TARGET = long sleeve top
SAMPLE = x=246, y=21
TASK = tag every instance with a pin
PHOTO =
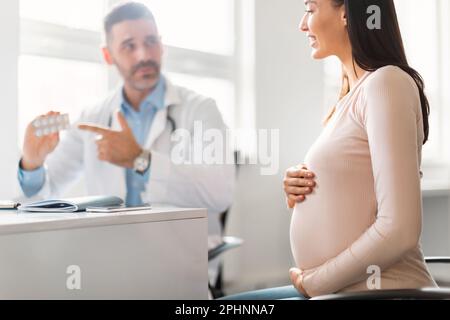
x=365, y=213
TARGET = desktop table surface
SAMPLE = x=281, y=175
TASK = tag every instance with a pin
x=13, y=221
x=129, y=255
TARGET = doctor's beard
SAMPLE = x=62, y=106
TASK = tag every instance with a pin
x=145, y=81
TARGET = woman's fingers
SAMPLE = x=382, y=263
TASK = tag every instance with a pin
x=299, y=182
x=296, y=276
x=297, y=191
x=292, y=200
x=296, y=199
x=290, y=203
x=296, y=172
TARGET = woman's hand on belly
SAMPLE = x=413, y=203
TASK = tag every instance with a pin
x=297, y=280
x=298, y=183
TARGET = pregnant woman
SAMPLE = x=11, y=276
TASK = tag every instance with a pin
x=362, y=216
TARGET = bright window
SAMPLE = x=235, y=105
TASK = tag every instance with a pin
x=59, y=85
x=202, y=25
x=221, y=90
x=418, y=39
x=79, y=14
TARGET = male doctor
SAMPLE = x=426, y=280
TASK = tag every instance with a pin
x=123, y=146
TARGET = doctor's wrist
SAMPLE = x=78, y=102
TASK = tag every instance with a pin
x=135, y=154
x=28, y=165
x=142, y=162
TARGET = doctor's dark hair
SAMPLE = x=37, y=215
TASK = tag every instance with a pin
x=373, y=49
x=126, y=11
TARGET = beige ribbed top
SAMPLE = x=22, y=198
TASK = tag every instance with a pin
x=367, y=207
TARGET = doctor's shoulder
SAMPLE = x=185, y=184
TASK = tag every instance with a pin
x=192, y=101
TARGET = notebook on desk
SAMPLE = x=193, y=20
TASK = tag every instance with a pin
x=70, y=205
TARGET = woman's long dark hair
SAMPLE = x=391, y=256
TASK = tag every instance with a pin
x=373, y=49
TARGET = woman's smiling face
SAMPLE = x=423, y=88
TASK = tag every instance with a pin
x=325, y=26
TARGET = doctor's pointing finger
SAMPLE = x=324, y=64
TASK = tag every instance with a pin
x=116, y=147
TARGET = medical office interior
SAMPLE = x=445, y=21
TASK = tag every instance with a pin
x=249, y=56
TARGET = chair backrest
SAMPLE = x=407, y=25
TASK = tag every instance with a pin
x=439, y=269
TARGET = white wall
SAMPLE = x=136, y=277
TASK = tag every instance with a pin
x=9, y=26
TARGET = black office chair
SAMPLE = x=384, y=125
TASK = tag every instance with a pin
x=403, y=294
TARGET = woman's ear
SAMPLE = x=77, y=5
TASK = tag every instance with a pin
x=343, y=16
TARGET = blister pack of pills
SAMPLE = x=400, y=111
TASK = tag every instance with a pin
x=47, y=125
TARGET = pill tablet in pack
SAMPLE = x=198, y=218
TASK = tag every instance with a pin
x=47, y=125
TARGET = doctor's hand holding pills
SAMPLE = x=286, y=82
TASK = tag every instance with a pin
x=38, y=145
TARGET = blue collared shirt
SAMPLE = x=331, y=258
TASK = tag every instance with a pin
x=140, y=123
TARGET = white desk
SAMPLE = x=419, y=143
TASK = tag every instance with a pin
x=154, y=254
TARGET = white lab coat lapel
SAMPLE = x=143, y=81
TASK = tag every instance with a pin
x=113, y=172
x=160, y=122
x=118, y=174
x=157, y=128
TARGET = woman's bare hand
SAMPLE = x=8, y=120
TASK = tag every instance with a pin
x=296, y=276
x=298, y=183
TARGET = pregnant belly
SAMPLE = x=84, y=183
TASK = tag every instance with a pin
x=329, y=221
